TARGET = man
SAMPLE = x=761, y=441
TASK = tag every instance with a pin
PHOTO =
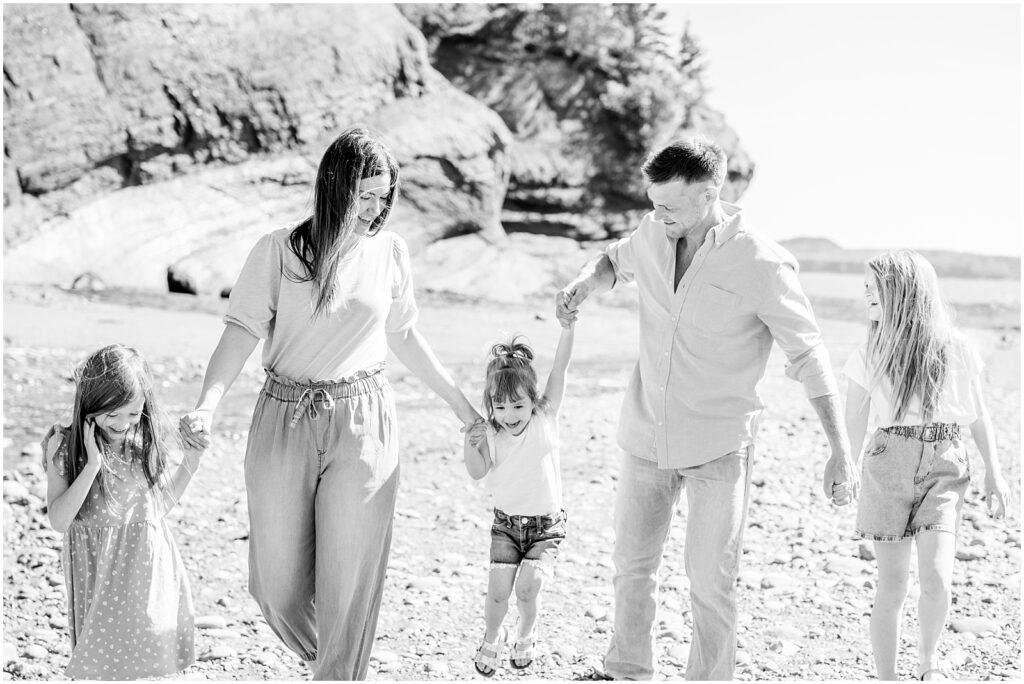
x=713, y=294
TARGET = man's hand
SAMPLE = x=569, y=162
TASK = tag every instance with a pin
x=568, y=300
x=841, y=482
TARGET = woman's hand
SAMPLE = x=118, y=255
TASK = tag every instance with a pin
x=995, y=494
x=195, y=428
x=92, y=448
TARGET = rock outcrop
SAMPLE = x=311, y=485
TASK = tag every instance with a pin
x=587, y=91
x=150, y=145
x=155, y=135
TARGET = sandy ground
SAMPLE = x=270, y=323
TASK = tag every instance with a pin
x=805, y=588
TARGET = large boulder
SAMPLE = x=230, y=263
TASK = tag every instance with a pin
x=142, y=138
x=454, y=160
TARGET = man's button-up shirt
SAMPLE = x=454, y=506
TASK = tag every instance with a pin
x=704, y=346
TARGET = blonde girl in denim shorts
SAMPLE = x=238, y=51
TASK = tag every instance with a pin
x=516, y=452
x=919, y=381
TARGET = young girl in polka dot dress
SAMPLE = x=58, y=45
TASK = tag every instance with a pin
x=110, y=486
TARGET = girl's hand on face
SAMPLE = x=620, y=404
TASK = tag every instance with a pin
x=92, y=447
x=996, y=492
x=195, y=428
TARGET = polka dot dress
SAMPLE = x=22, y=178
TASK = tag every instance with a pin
x=130, y=610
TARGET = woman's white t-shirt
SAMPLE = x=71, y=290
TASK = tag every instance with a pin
x=526, y=478
x=956, y=403
x=373, y=297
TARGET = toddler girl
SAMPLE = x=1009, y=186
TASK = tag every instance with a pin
x=110, y=486
x=920, y=381
x=516, y=449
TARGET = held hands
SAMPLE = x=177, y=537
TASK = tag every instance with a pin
x=841, y=482
x=567, y=303
x=195, y=428
x=476, y=432
x=996, y=492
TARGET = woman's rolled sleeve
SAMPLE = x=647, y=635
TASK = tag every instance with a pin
x=253, y=301
x=403, y=312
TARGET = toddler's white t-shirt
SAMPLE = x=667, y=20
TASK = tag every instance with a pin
x=526, y=478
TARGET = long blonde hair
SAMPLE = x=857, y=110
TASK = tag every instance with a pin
x=911, y=344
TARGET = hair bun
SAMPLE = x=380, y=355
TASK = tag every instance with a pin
x=512, y=352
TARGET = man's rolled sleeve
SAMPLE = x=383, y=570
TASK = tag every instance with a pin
x=623, y=259
x=788, y=315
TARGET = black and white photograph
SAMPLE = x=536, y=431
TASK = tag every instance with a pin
x=543, y=341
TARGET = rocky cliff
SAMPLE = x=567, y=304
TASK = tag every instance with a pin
x=154, y=143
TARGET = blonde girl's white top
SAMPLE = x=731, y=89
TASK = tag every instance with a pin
x=526, y=477
x=373, y=297
x=956, y=403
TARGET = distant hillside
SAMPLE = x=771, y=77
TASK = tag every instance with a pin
x=821, y=255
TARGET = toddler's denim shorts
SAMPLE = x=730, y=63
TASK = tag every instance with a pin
x=912, y=480
x=528, y=539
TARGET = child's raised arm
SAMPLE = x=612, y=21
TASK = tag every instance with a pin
x=555, y=389
x=475, y=452
x=984, y=437
x=857, y=404
x=63, y=499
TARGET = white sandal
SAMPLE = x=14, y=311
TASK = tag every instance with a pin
x=488, y=654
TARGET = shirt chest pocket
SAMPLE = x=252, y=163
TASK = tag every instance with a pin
x=714, y=308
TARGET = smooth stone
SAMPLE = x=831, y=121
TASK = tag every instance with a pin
x=15, y=492
x=958, y=657
x=969, y=553
x=221, y=633
x=10, y=652
x=679, y=653
x=438, y=668
x=210, y=622
x=384, y=657
x=36, y=652
x=777, y=580
x=742, y=658
x=598, y=613
x=844, y=565
x=974, y=625
x=866, y=551
x=59, y=622
x=787, y=631
x=216, y=653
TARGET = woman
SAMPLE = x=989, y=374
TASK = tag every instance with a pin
x=321, y=465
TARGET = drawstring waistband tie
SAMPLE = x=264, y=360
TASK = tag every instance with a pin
x=307, y=403
x=312, y=397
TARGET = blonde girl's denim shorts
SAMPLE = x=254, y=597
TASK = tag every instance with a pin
x=912, y=480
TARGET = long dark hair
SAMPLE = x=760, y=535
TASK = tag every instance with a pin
x=110, y=378
x=317, y=241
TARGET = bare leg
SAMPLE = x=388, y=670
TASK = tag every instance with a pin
x=886, y=614
x=499, y=587
x=528, y=586
x=935, y=555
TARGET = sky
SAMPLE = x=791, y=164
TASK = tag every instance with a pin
x=873, y=125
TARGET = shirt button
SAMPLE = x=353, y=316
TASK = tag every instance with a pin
x=659, y=422
x=666, y=353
